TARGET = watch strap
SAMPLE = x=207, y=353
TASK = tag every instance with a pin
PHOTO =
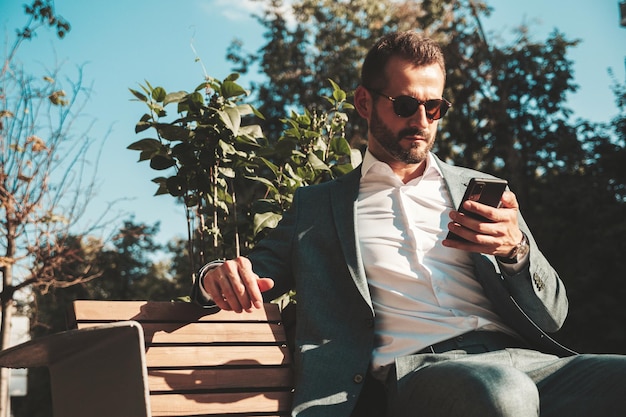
x=518, y=252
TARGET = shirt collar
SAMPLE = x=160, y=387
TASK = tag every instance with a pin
x=370, y=161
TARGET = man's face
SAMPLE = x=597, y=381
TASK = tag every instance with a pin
x=398, y=140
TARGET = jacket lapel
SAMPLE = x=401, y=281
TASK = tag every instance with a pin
x=344, y=195
x=456, y=180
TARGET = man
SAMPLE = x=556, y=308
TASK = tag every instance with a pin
x=449, y=327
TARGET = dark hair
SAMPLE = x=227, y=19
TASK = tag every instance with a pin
x=409, y=45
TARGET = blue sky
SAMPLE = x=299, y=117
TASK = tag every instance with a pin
x=123, y=43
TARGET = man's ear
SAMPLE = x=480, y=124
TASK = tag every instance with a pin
x=363, y=102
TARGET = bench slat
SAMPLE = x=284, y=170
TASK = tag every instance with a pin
x=209, y=332
x=216, y=355
x=89, y=310
x=218, y=378
x=219, y=404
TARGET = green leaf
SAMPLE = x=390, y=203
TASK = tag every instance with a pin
x=227, y=172
x=265, y=220
x=191, y=200
x=176, y=186
x=246, y=140
x=317, y=163
x=355, y=157
x=227, y=148
x=271, y=166
x=257, y=113
x=141, y=126
x=245, y=109
x=231, y=118
x=264, y=205
x=253, y=131
x=159, y=94
x=162, y=190
x=304, y=120
x=232, y=77
x=172, y=132
x=289, y=170
x=146, y=155
x=342, y=169
x=269, y=184
x=294, y=132
x=340, y=146
x=162, y=186
x=148, y=147
x=146, y=144
x=311, y=134
x=232, y=89
x=204, y=85
x=339, y=95
x=197, y=98
x=160, y=162
x=174, y=97
x=139, y=95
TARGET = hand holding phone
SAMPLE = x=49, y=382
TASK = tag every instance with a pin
x=483, y=190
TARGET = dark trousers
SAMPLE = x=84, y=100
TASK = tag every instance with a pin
x=481, y=376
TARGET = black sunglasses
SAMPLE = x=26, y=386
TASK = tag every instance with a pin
x=406, y=106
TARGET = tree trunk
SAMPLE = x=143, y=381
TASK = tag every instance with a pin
x=6, y=298
x=5, y=335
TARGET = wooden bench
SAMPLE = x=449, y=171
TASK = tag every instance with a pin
x=196, y=361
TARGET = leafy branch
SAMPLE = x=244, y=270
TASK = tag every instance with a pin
x=207, y=146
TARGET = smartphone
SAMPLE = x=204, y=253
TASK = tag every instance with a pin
x=484, y=190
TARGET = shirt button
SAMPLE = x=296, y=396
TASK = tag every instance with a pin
x=358, y=378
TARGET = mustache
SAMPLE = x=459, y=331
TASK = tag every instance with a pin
x=412, y=132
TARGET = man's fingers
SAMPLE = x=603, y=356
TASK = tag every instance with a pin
x=265, y=284
x=216, y=283
x=509, y=200
x=234, y=286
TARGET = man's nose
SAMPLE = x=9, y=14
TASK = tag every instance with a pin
x=419, y=119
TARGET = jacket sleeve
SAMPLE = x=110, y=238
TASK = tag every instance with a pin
x=537, y=288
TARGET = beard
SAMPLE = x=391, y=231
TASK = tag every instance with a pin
x=391, y=141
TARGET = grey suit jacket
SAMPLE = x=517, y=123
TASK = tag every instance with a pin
x=314, y=250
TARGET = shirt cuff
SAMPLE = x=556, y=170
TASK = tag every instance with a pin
x=515, y=268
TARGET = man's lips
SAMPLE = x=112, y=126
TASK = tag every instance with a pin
x=414, y=138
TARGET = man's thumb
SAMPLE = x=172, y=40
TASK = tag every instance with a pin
x=265, y=284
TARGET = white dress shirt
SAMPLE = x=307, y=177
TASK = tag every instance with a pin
x=422, y=292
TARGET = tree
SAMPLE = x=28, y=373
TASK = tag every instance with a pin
x=586, y=238
x=503, y=96
x=44, y=177
x=128, y=272
x=328, y=41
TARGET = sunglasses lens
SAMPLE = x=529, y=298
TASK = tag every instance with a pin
x=405, y=106
x=435, y=109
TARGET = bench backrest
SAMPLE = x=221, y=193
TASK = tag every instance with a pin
x=205, y=361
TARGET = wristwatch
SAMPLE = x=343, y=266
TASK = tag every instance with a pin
x=518, y=252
